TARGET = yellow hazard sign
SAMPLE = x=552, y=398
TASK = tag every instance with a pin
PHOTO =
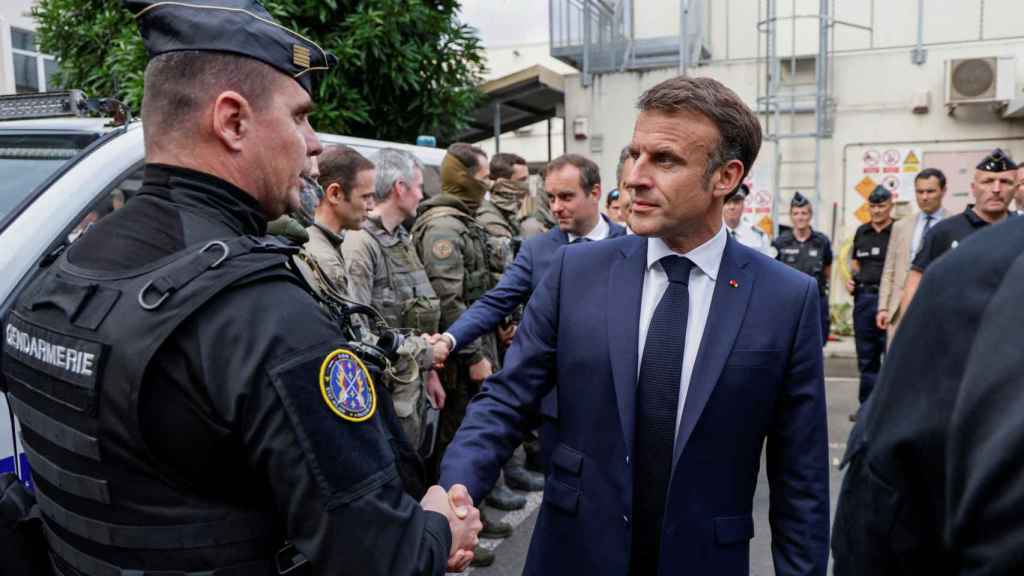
x=865, y=187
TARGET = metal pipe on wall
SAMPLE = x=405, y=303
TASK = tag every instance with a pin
x=919, y=55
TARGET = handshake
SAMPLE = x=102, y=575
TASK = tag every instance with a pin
x=463, y=519
x=441, y=346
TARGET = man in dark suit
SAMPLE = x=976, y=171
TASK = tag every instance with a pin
x=572, y=184
x=674, y=357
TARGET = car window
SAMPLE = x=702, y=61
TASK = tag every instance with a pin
x=28, y=160
x=113, y=198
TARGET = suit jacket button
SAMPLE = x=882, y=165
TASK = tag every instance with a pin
x=625, y=519
x=627, y=460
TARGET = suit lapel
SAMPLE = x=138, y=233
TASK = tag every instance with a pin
x=733, y=288
x=625, y=287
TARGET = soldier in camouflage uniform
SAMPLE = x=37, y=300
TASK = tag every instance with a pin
x=346, y=178
x=535, y=217
x=453, y=247
x=499, y=214
x=385, y=271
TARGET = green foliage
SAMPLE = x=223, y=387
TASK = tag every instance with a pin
x=842, y=319
x=406, y=67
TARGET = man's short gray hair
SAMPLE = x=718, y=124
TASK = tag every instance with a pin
x=393, y=166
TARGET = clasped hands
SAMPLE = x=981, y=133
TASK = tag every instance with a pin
x=463, y=519
x=441, y=347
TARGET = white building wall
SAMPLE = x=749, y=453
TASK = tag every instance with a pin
x=16, y=13
x=873, y=83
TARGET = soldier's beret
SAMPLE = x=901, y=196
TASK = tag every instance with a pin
x=879, y=195
x=241, y=27
x=997, y=161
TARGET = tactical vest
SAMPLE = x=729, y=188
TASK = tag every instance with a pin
x=477, y=279
x=807, y=257
x=500, y=232
x=77, y=347
x=409, y=300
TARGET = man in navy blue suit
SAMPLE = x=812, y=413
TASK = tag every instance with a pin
x=573, y=187
x=675, y=355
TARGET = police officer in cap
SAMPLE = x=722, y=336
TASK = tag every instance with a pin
x=870, y=244
x=993, y=187
x=809, y=251
x=732, y=216
x=186, y=406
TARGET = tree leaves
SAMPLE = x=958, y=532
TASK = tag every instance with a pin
x=406, y=67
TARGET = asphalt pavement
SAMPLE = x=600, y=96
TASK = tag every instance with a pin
x=841, y=395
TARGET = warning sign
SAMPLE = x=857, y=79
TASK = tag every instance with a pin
x=894, y=168
x=911, y=164
x=758, y=209
x=865, y=187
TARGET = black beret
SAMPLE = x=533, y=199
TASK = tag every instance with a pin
x=997, y=161
x=799, y=201
x=740, y=192
x=241, y=27
x=879, y=195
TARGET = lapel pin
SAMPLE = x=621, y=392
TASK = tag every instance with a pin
x=734, y=284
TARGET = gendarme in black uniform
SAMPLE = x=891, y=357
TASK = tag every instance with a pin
x=186, y=405
x=945, y=236
x=869, y=249
x=811, y=256
x=949, y=233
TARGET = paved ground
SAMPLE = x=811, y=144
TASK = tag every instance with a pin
x=841, y=390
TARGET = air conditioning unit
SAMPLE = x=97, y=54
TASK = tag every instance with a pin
x=980, y=80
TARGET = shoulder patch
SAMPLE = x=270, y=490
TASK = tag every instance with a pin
x=347, y=386
x=442, y=248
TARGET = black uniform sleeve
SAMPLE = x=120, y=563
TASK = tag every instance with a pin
x=856, y=240
x=827, y=251
x=333, y=481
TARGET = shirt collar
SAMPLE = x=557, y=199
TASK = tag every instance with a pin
x=334, y=238
x=707, y=257
x=599, y=232
x=937, y=215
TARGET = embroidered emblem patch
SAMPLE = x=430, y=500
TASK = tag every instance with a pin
x=347, y=386
x=442, y=248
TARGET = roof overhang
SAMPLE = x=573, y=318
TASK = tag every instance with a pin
x=525, y=98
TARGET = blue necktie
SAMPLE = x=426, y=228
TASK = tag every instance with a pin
x=657, y=400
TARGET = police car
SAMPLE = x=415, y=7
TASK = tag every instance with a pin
x=61, y=172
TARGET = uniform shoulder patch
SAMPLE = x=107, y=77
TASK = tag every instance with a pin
x=347, y=386
x=442, y=248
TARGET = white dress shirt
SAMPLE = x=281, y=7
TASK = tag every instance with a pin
x=916, y=240
x=599, y=232
x=707, y=258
